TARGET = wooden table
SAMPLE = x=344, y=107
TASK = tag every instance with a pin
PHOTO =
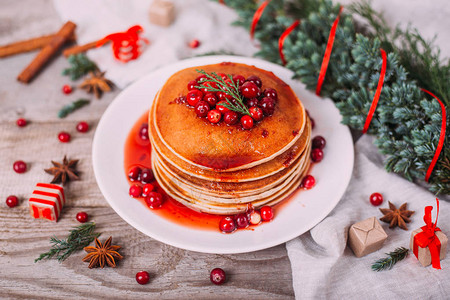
x=175, y=273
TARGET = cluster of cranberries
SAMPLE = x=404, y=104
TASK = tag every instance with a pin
x=144, y=187
x=243, y=220
x=210, y=105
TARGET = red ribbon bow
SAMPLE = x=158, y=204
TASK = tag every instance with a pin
x=428, y=238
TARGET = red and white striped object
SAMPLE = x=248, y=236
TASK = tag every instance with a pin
x=47, y=201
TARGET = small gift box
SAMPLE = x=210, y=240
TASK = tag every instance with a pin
x=162, y=12
x=366, y=237
x=47, y=201
x=429, y=243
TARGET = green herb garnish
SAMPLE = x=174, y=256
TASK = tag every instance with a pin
x=388, y=262
x=80, y=65
x=70, y=108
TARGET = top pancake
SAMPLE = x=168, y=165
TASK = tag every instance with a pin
x=220, y=147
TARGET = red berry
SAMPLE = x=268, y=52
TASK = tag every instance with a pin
x=20, y=166
x=67, y=89
x=217, y=276
x=256, y=113
x=135, y=191
x=252, y=102
x=214, y=116
x=318, y=142
x=242, y=220
x=376, y=199
x=193, y=97
x=239, y=79
x=142, y=277
x=154, y=200
x=64, y=137
x=82, y=127
x=143, y=132
x=230, y=117
x=313, y=124
x=255, y=218
x=134, y=172
x=221, y=96
x=191, y=85
x=21, y=122
x=250, y=90
x=82, y=217
x=202, y=108
x=247, y=122
x=210, y=98
x=146, y=189
x=227, y=225
x=201, y=78
x=308, y=182
x=223, y=76
x=270, y=93
x=255, y=79
x=222, y=108
x=12, y=201
x=147, y=176
x=194, y=44
x=267, y=105
x=266, y=213
x=317, y=155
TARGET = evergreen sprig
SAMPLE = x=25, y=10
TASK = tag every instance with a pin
x=79, y=237
x=80, y=65
x=394, y=257
x=70, y=108
x=230, y=88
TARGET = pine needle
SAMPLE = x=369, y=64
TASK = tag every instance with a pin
x=70, y=108
x=388, y=262
x=80, y=65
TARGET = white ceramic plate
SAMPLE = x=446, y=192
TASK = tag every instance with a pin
x=304, y=211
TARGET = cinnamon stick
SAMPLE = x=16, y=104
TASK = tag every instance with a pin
x=47, y=52
x=80, y=49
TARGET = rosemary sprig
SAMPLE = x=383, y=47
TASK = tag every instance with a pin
x=231, y=89
x=78, y=238
x=388, y=262
x=70, y=108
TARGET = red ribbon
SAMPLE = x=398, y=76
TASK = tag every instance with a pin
x=327, y=55
x=256, y=17
x=441, y=137
x=283, y=37
x=428, y=238
x=377, y=92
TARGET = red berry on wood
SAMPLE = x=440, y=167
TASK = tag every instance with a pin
x=82, y=217
x=376, y=199
x=154, y=200
x=308, y=182
x=217, y=276
x=12, y=201
x=134, y=172
x=250, y=90
x=202, y=108
x=82, y=127
x=266, y=213
x=247, y=122
x=256, y=113
x=317, y=155
x=143, y=132
x=230, y=117
x=146, y=189
x=147, y=176
x=255, y=79
x=67, y=89
x=271, y=93
x=242, y=220
x=135, y=191
x=21, y=122
x=20, y=166
x=214, y=116
x=267, y=105
x=192, y=85
x=194, y=44
x=64, y=137
x=142, y=277
x=239, y=79
x=318, y=142
x=193, y=97
x=227, y=225
x=210, y=98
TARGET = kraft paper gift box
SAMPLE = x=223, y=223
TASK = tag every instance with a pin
x=162, y=12
x=366, y=237
x=424, y=254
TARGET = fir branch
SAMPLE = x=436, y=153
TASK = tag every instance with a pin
x=230, y=88
x=70, y=108
x=78, y=238
x=388, y=262
x=80, y=65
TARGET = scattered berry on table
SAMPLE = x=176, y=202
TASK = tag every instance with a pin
x=308, y=182
x=64, y=137
x=194, y=44
x=67, y=89
x=217, y=276
x=142, y=277
x=82, y=127
x=376, y=199
x=21, y=122
x=20, y=166
x=12, y=201
x=82, y=217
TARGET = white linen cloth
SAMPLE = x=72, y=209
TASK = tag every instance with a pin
x=322, y=265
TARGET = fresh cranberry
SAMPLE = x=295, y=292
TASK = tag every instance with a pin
x=256, y=113
x=142, y=277
x=250, y=90
x=67, y=89
x=134, y=172
x=313, y=124
x=308, y=182
x=317, y=155
x=143, y=132
x=147, y=176
x=217, y=276
x=193, y=97
x=252, y=102
x=239, y=79
x=376, y=199
x=20, y=166
x=206, y=85
x=82, y=217
x=318, y=142
x=214, y=116
x=135, y=191
x=222, y=108
x=202, y=108
x=82, y=127
x=191, y=85
x=12, y=201
x=227, y=225
x=223, y=76
x=271, y=93
x=266, y=213
x=256, y=80
x=154, y=200
x=146, y=189
x=194, y=44
x=201, y=78
x=21, y=122
x=221, y=96
x=255, y=218
x=247, y=122
x=210, y=98
x=242, y=220
x=267, y=105
x=64, y=137
x=230, y=117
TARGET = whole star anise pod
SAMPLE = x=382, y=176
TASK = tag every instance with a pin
x=396, y=216
x=64, y=171
x=100, y=255
x=97, y=84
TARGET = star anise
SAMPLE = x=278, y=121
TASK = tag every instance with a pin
x=100, y=255
x=64, y=171
x=97, y=84
x=396, y=216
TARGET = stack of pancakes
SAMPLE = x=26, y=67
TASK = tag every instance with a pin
x=221, y=169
